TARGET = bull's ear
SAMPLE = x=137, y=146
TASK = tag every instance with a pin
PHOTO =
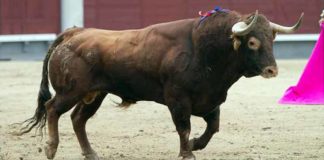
x=274, y=34
x=236, y=43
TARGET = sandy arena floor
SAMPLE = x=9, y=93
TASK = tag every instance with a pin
x=253, y=124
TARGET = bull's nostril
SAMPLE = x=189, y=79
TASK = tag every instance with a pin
x=270, y=71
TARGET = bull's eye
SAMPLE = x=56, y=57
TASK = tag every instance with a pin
x=254, y=43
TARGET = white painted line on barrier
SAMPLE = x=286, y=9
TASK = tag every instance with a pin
x=296, y=37
x=27, y=37
x=52, y=36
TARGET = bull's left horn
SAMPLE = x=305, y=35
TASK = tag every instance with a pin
x=284, y=29
x=241, y=28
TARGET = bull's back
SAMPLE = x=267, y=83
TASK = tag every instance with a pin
x=143, y=49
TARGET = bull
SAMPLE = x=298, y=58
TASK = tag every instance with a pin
x=187, y=65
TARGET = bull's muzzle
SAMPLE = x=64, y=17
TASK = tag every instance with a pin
x=269, y=72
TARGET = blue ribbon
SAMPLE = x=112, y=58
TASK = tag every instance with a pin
x=209, y=13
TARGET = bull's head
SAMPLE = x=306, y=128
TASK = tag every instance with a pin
x=253, y=38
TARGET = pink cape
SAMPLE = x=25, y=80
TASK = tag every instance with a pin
x=310, y=87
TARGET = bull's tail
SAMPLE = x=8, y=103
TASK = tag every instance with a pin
x=40, y=116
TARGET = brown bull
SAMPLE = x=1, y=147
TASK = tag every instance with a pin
x=187, y=65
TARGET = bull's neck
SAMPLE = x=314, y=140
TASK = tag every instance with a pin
x=215, y=54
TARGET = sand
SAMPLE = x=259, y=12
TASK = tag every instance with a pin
x=253, y=125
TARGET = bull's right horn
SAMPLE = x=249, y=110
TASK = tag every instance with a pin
x=241, y=28
x=284, y=29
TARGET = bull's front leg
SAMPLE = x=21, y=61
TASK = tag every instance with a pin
x=212, y=120
x=181, y=118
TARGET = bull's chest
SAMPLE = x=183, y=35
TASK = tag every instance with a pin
x=207, y=102
x=211, y=95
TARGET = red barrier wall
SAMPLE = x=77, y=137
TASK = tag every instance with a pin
x=29, y=16
x=124, y=14
x=43, y=16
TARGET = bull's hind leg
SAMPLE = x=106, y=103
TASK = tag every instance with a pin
x=80, y=115
x=55, y=108
x=212, y=120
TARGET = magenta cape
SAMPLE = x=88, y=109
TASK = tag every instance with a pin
x=310, y=87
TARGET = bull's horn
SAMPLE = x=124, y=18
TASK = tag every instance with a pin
x=241, y=28
x=284, y=29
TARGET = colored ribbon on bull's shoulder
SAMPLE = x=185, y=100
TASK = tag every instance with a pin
x=205, y=15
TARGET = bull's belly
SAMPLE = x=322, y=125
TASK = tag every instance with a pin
x=137, y=89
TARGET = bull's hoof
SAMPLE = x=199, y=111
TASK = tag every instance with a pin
x=187, y=155
x=50, y=151
x=192, y=157
x=91, y=156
